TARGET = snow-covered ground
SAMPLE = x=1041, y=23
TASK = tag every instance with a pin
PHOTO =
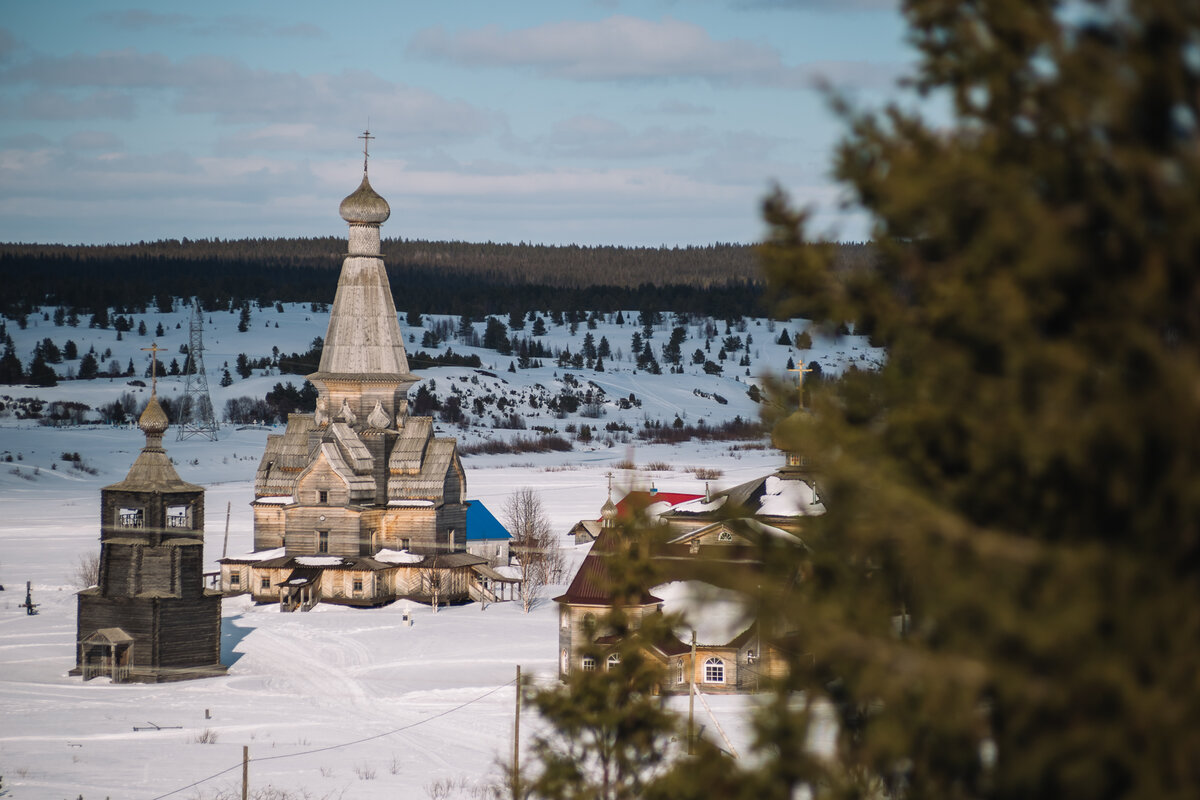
x=338, y=702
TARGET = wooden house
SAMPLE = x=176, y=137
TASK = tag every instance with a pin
x=705, y=540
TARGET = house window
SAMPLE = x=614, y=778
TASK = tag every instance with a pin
x=612, y=661
x=265, y=583
x=235, y=579
x=323, y=497
x=588, y=663
x=358, y=584
x=714, y=671
x=322, y=541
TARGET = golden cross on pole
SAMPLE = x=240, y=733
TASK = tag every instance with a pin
x=154, y=350
x=801, y=370
x=366, y=137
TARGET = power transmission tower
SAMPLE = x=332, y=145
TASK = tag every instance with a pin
x=196, y=417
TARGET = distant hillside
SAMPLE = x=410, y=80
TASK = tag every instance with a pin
x=721, y=280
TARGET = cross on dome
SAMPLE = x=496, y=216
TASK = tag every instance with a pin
x=154, y=350
x=366, y=137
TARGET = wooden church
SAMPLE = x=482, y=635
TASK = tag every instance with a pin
x=359, y=503
x=150, y=619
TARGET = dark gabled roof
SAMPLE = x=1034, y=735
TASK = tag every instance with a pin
x=482, y=524
x=592, y=583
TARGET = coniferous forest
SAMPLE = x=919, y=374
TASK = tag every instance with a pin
x=720, y=280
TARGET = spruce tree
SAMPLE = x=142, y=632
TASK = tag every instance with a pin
x=996, y=600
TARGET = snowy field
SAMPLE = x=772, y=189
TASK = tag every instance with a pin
x=338, y=702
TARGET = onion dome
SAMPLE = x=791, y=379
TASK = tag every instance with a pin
x=153, y=421
x=608, y=513
x=365, y=205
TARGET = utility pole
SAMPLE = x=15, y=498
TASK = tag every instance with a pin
x=516, y=774
x=225, y=547
x=245, y=772
x=692, y=700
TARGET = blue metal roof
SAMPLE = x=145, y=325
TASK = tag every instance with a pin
x=481, y=524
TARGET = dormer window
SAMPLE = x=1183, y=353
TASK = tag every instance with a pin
x=131, y=518
x=724, y=536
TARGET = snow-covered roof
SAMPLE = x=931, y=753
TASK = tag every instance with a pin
x=397, y=557
x=261, y=555
x=275, y=501
x=319, y=561
x=788, y=498
x=410, y=503
x=717, y=615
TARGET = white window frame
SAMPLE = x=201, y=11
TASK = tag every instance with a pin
x=613, y=660
x=588, y=663
x=714, y=670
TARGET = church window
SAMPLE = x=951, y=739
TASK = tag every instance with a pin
x=714, y=671
x=724, y=536
x=179, y=516
x=565, y=661
x=612, y=661
x=131, y=517
x=588, y=663
x=564, y=618
x=323, y=497
x=679, y=676
x=589, y=621
x=322, y=541
x=404, y=544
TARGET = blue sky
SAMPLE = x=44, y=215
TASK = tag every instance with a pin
x=590, y=122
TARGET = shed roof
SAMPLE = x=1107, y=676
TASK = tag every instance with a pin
x=482, y=525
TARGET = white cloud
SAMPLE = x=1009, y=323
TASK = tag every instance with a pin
x=234, y=93
x=615, y=49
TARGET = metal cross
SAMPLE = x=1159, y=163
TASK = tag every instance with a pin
x=366, y=137
x=801, y=370
x=154, y=350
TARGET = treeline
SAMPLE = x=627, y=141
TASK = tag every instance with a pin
x=720, y=280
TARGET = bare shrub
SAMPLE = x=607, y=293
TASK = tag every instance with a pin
x=659, y=466
x=539, y=557
x=87, y=571
x=206, y=736
x=706, y=473
x=364, y=772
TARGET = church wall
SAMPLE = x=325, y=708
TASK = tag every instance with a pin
x=269, y=524
x=417, y=524
x=453, y=517
x=133, y=615
x=190, y=632
x=304, y=523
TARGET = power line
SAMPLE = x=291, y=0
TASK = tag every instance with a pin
x=343, y=744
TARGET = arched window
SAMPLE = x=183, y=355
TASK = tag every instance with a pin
x=566, y=661
x=588, y=664
x=612, y=661
x=714, y=671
